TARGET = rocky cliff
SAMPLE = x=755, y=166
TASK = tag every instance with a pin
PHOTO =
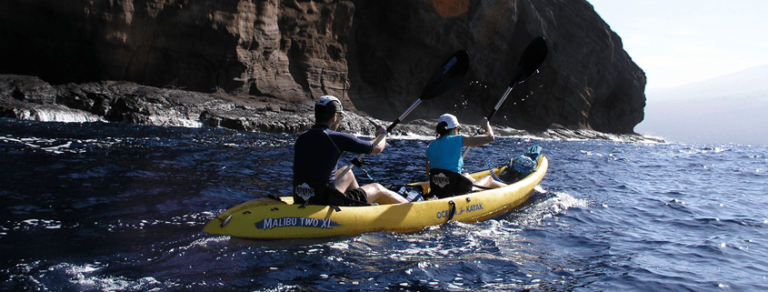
x=375, y=55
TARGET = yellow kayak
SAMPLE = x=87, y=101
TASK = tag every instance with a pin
x=266, y=218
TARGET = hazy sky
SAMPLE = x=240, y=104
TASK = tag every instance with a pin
x=678, y=42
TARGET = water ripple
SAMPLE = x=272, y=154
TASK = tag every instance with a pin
x=119, y=207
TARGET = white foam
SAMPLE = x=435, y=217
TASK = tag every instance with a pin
x=557, y=204
x=59, y=115
x=34, y=223
x=88, y=277
x=213, y=242
x=340, y=246
x=64, y=146
x=173, y=119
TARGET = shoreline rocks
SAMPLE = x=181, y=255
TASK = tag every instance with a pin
x=30, y=98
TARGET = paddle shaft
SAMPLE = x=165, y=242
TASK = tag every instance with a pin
x=533, y=56
x=443, y=79
x=519, y=77
x=405, y=114
x=490, y=116
x=359, y=158
x=501, y=101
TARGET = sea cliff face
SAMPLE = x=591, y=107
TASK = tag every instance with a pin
x=281, y=54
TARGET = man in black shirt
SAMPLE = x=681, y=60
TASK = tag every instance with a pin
x=316, y=157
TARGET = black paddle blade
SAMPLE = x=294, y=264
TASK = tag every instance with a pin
x=447, y=76
x=530, y=61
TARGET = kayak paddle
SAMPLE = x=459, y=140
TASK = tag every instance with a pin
x=444, y=78
x=529, y=64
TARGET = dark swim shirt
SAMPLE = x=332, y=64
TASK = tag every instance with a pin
x=317, y=152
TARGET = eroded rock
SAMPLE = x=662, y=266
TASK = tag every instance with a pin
x=375, y=55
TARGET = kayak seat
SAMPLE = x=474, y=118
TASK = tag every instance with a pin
x=309, y=192
x=445, y=183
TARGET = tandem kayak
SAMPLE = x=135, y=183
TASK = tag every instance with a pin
x=267, y=218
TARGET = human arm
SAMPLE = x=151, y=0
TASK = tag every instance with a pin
x=482, y=139
x=350, y=143
x=380, y=142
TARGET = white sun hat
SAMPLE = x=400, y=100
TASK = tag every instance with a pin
x=449, y=119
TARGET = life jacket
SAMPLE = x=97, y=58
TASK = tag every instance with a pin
x=445, y=183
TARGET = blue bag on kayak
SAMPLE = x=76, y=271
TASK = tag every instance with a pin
x=533, y=152
x=521, y=166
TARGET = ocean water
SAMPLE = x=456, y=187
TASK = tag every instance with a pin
x=120, y=207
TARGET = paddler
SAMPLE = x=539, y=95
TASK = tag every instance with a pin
x=445, y=163
x=316, y=158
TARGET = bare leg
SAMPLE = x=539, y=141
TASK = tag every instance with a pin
x=486, y=182
x=376, y=192
x=348, y=182
x=489, y=182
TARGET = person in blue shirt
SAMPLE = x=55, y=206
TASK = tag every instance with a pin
x=316, y=158
x=444, y=153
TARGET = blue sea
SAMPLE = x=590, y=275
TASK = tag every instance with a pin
x=120, y=207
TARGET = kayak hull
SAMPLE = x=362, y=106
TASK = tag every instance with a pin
x=266, y=218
